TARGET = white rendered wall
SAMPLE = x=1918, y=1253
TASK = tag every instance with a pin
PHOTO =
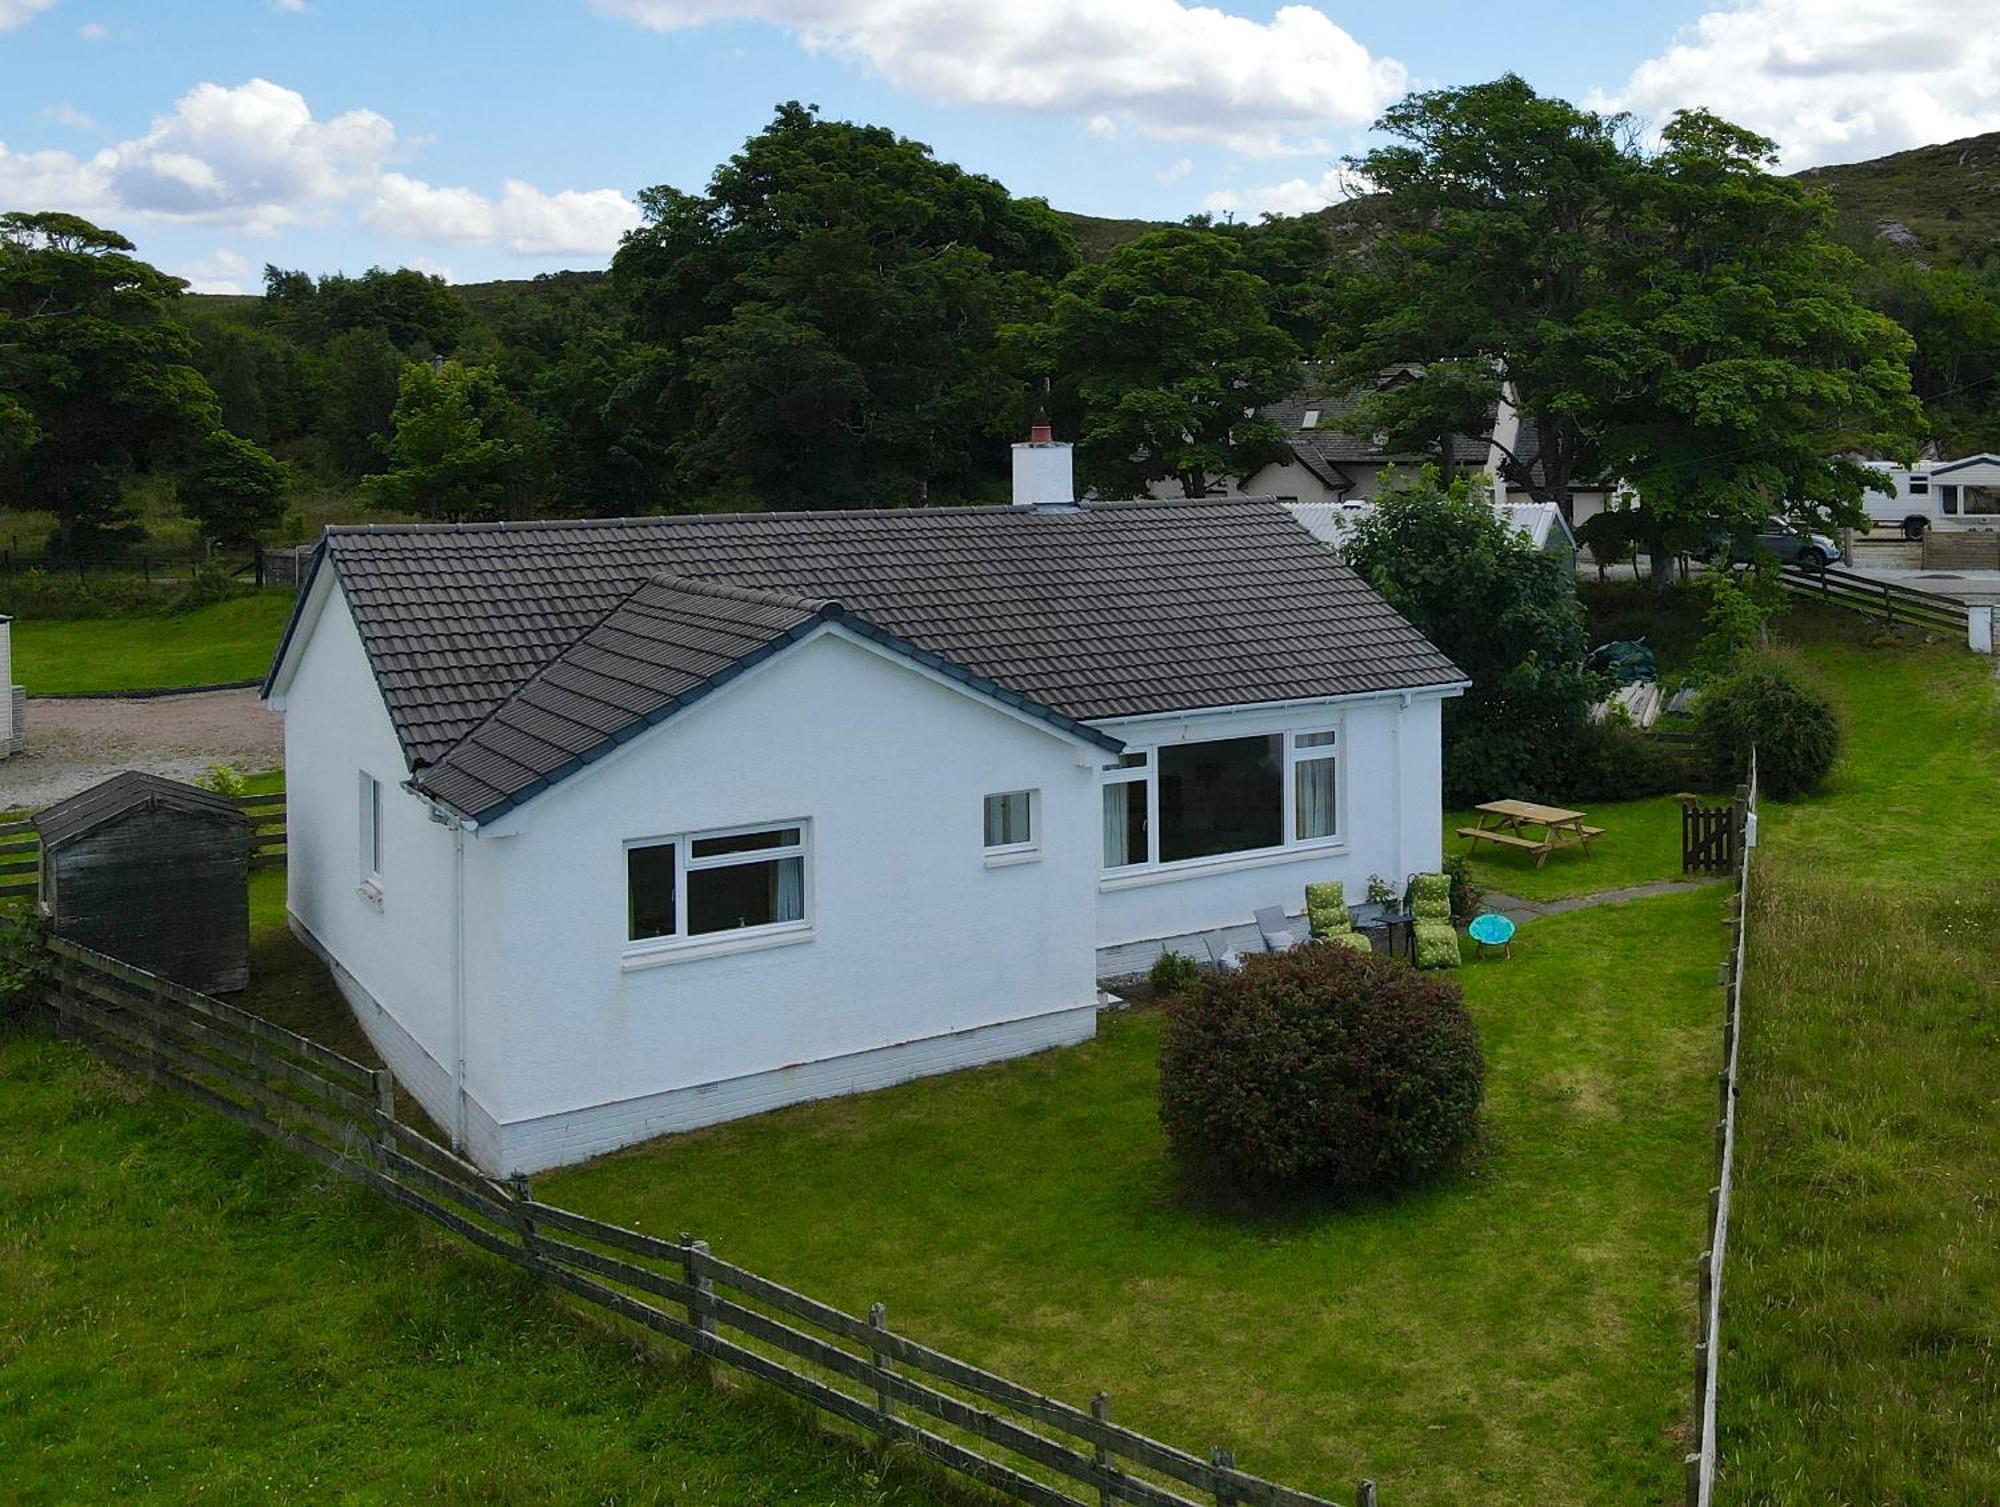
x=1391, y=815
x=914, y=936
x=397, y=952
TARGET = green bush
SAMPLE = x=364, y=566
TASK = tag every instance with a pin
x=1173, y=972
x=1764, y=704
x=1614, y=761
x=1466, y=895
x=1319, y=1068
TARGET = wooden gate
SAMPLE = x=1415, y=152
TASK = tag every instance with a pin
x=1708, y=838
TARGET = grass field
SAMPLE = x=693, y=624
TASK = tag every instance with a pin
x=1518, y=1332
x=192, y=1313
x=231, y=640
x=1641, y=843
x=1862, y=1326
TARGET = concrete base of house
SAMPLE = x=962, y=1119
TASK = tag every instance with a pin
x=1123, y=961
x=576, y=1135
x=418, y=1073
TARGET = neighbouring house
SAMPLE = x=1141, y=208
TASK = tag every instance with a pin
x=614, y=828
x=1334, y=461
x=13, y=699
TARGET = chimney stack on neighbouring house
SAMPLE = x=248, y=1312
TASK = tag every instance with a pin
x=1043, y=477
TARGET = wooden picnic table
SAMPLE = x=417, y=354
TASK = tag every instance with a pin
x=1509, y=821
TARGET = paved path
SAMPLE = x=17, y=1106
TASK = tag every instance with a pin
x=1518, y=910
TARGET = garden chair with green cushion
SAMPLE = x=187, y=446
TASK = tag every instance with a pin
x=1326, y=910
x=1430, y=904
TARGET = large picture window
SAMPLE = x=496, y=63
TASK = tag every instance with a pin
x=1183, y=802
x=1225, y=796
x=705, y=884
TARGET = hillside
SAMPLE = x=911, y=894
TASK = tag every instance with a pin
x=1946, y=196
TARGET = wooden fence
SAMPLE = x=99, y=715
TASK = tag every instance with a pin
x=1708, y=837
x=341, y=1114
x=1877, y=599
x=21, y=848
x=1700, y=1463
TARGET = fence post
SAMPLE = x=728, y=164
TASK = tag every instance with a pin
x=1691, y=1466
x=1223, y=1460
x=1364, y=1494
x=1100, y=1410
x=701, y=1287
x=155, y=1058
x=385, y=1093
x=878, y=1318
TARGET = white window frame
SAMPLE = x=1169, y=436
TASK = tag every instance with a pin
x=369, y=835
x=679, y=943
x=1148, y=772
x=1000, y=854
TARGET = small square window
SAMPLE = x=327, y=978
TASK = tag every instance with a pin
x=1010, y=820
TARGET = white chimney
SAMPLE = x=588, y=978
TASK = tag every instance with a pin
x=1043, y=476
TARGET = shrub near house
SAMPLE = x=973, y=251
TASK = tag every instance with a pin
x=1319, y=1068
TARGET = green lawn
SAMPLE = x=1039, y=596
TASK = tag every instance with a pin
x=1861, y=1356
x=1519, y=1332
x=1641, y=843
x=193, y=1313
x=232, y=640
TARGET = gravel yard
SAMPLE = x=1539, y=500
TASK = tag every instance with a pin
x=74, y=744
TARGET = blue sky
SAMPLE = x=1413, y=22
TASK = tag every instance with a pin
x=508, y=137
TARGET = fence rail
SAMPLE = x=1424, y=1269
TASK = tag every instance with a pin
x=341, y=1114
x=21, y=847
x=1700, y=1463
x=1878, y=599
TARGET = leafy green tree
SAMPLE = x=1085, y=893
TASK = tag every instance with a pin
x=1170, y=344
x=231, y=488
x=1954, y=317
x=356, y=379
x=1506, y=613
x=842, y=274
x=98, y=375
x=1498, y=217
x=455, y=452
x=418, y=311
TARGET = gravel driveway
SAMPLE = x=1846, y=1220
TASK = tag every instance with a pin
x=74, y=744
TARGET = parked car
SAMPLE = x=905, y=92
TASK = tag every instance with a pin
x=1792, y=545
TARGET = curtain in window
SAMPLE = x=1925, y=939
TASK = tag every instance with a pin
x=1117, y=829
x=1314, y=798
x=788, y=900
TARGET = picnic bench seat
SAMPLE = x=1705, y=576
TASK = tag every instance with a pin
x=1560, y=828
x=1509, y=839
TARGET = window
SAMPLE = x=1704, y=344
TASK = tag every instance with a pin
x=1315, y=786
x=1126, y=839
x=1311, y=420
x=708, y=883
x=1982, y=500
x=1948, y=499
x=1919, y=485
x=1225, y=796
x=1188, y=801
x=371, y=828
x=1010, y=821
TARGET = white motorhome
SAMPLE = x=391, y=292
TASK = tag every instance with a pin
x=1952, y=494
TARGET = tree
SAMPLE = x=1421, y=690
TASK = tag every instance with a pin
x=357, y=378
x=418, y=311
x=1498, y=217
x=98, y=376
x=231, y=488
x=451, y=455
x=1504, y=612
x=1754, y=370
x=842, y=273
x=1170, y=345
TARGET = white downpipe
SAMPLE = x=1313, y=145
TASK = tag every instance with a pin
x=457, y=987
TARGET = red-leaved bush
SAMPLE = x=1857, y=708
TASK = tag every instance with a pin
x=1320, y=1067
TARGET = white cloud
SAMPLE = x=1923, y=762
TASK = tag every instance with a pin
x=1175, y=173
x=291, y=7
x=15, y=13
x=254, y=158
x=92, y=31
x=69, y=115
x=1292, y=196
x=1831, y=80
x=222, y=273
x=1164, y=67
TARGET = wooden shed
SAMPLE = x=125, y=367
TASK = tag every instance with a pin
x=154, y=872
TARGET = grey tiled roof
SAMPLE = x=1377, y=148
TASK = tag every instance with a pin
x=1336, y=437
x=664, y=647
x=1106, y=610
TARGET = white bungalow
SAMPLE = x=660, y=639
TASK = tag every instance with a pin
x=620, y=827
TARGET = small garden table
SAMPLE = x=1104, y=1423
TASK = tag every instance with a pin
x=1506, y=824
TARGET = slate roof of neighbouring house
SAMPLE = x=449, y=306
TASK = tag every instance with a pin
x=128, y=791
x=1334, y=437
x=1105, y=610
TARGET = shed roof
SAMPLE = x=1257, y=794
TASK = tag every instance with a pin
x=128, y=791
